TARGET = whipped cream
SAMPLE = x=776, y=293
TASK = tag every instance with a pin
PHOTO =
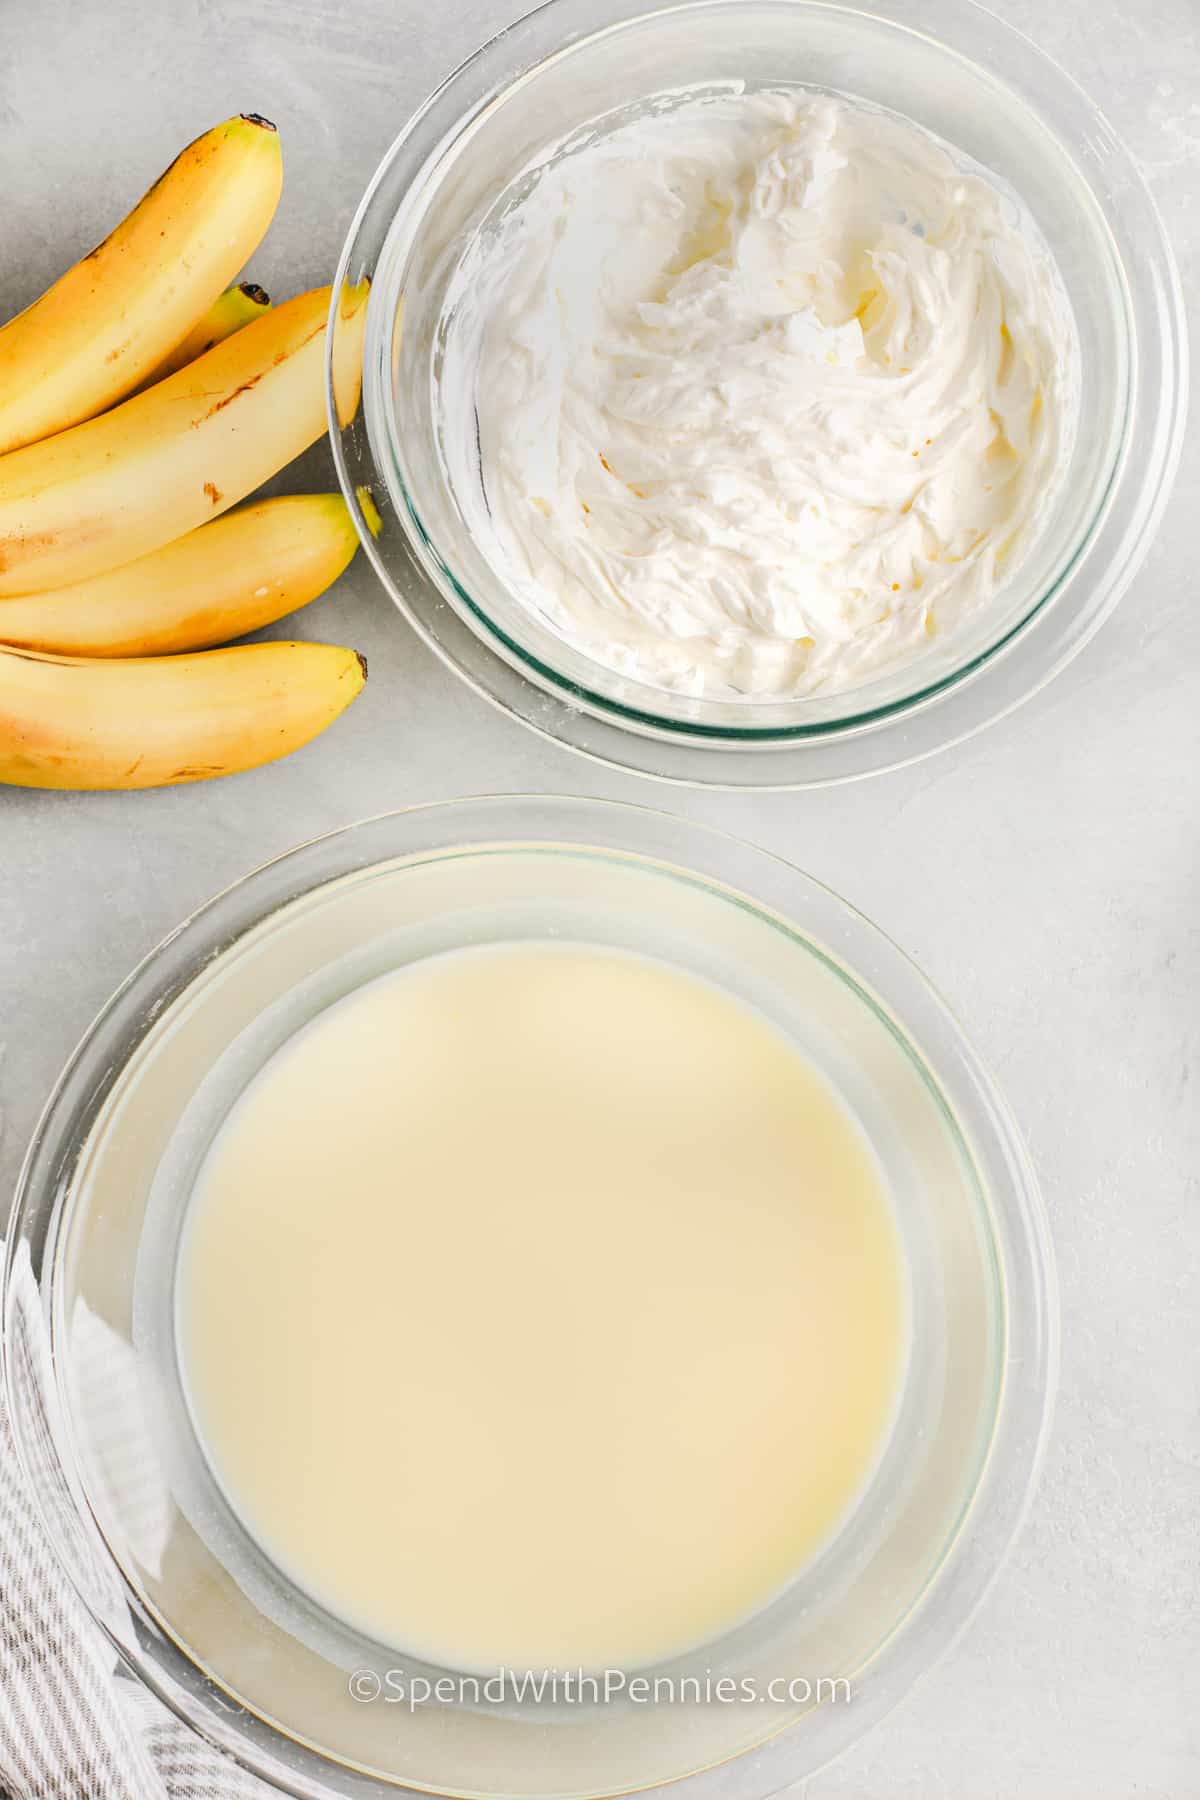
x=770, y=392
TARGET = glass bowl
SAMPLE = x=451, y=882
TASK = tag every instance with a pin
x=956, y=70
x=104, y=1434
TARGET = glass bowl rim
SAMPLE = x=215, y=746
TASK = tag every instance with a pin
x=896, y=730
x=737, y=869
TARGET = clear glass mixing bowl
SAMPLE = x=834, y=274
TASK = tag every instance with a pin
x=105, y=1436
x=955, y=69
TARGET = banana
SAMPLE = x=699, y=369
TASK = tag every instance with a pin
x=227, y=314
x=113, y=318
x=115, y=488
x=68, y=722
x=253, y=566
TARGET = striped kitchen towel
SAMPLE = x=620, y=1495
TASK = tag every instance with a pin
x=73, y=1724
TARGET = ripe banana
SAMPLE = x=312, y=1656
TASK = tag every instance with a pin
x=117, y=487
x=112, y=318
x=68, y=722
x=227, y=314
x=258, y=563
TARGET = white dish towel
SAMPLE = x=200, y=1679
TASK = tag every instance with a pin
x=73, y=1724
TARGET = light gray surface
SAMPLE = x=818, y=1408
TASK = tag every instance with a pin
x=1044, y=876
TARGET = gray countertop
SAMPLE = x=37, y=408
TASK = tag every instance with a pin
x=1045, y=876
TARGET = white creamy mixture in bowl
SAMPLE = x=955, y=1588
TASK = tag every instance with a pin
x=769, y=392
x=760, y=392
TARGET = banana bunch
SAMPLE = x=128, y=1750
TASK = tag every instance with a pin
x=141, y=398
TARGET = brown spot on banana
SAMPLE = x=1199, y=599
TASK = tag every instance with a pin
x=20, y=541
x=228, y=399
x=213, y=492
x=282, y=355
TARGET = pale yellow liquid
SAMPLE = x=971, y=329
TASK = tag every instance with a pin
x=541, y=1307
